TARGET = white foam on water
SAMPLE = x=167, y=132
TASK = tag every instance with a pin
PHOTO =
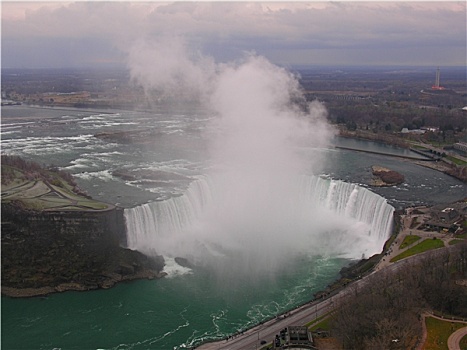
x=330, y=217
x=10, y=132
x=104, y=175
x=16, y=125
x=172, y=269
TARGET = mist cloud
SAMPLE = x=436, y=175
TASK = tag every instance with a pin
x=166, y=68
x=258, y=127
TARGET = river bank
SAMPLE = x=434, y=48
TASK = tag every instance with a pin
x=354, y=277
x=182, y=309
x=55, y=238
x=58, y=251
x=440, y=164
x=109, y=282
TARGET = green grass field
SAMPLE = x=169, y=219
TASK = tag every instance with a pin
x=324, y=324
x=456, y=160
x=39, y=194
x=423, y=246
x=408, y=240
x=438, y=333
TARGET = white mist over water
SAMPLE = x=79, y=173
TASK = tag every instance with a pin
x=212, y=225
x=255, y=210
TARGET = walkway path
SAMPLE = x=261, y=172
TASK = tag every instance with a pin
x=455, y=339
x=251, y=338
x=41, y=195
x=408, y=228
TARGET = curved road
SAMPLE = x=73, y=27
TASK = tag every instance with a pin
x=455, y=339
x=251, y=339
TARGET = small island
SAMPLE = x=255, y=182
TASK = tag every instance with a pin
x=56, y=238
x=385, y=177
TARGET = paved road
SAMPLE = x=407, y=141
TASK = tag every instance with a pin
x=251, y=338
x=455, y=338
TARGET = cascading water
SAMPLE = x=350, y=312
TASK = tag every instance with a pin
x=328, y=217
x=254, y=212
x=149, y=224
x=355, y=202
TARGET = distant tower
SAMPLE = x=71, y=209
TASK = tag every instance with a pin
x=436, y=86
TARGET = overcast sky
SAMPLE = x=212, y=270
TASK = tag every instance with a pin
x=96, y=34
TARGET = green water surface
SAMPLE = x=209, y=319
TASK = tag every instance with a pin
x=170, y=313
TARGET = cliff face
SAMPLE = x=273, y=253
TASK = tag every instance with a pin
x=55, y=238
x=43, y=252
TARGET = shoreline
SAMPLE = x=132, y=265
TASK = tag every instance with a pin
x=435, y=164
x=386, y=139
x=22, y=293
x=75, y=243
x=324, y=302
x=111, y=281
x=383, y=154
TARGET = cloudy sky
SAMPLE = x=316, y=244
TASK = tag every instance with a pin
x=97, y=34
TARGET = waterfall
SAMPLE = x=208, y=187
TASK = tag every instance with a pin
x=352, y=201
x=147, y=223
x=327, y=216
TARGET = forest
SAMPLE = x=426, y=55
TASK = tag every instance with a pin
x=390, y=305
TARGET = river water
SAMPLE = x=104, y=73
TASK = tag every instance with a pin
x=188, y=306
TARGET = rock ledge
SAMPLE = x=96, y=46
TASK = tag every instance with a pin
x=384, y=177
